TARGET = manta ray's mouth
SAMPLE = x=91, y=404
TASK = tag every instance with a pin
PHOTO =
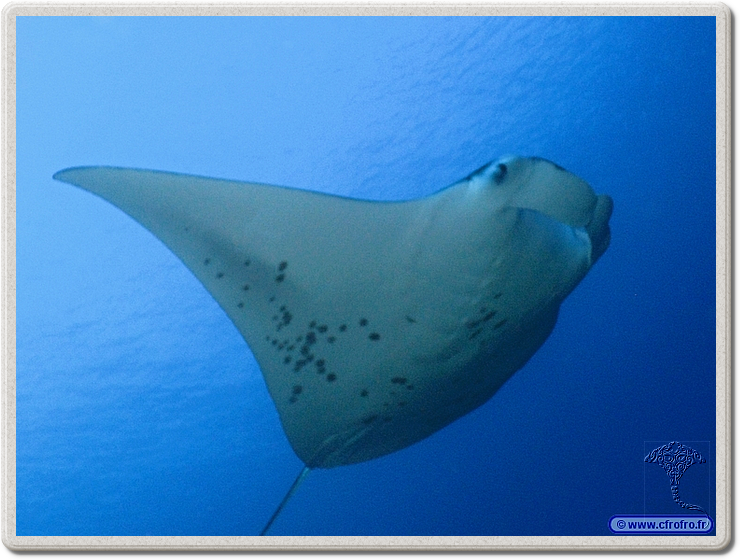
x=598, y=227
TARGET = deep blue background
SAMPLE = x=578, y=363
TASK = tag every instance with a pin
x=141, y=411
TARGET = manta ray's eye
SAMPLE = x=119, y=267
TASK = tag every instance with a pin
x=499, y=174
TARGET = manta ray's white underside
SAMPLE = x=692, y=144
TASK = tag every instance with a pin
x=376, y=324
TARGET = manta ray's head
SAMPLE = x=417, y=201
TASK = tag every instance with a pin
x=538, y=184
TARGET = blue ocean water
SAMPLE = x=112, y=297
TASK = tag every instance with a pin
x=140, y=409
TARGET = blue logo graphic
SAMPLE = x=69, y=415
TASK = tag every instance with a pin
x=675, y=458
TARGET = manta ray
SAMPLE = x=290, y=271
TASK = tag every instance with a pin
x=376, y=324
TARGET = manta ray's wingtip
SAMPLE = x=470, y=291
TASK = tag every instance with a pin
x=59, y=175
x=64, y=175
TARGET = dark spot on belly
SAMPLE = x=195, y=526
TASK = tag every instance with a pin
x=322, y=328
x=245, y=287
x=293, y=400
x=279, y=278
x=410, y=319
x=311, y=337
x=374, y=336
x=369, y=419
x=342, y=328
x=500, y=324
x=240, y=304
x=363, y=322
x=297, y=389
x=247, y=262
x=331, y=339
x=287, y=359
x=364, y=393
x=320, y=363
x=498, y=295
x=488, y=316
x=331, y=377
x=399, y=380
x=474, y=334
x=282, y=266
x=207, y=261
x=220, y=275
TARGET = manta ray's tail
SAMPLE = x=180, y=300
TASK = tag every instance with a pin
x=680, y=502
x=291, y=491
